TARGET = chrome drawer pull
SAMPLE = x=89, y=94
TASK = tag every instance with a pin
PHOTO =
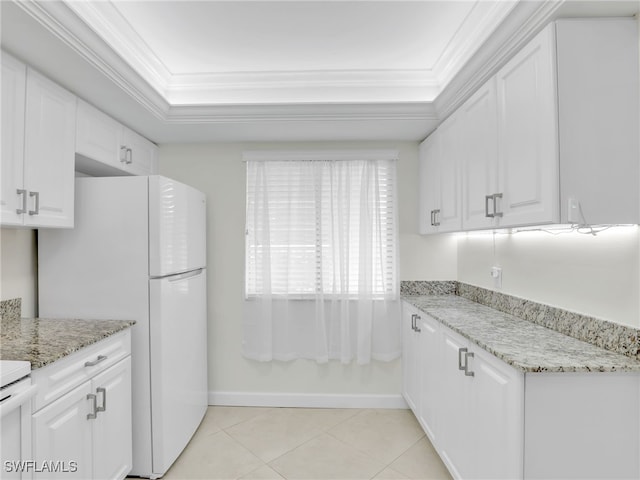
x=467, y=372
x=101, y=358
x=102, y=390
x=94, y=401
x=23, y=192
x=495, y=208
x=461, y=350
x=37, y=203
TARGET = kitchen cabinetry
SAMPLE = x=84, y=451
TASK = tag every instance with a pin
x=488, y=420
x=440, y=209
x=38, y=132
x=479, y=157
x=553, y=136
x=83, y=411
x=106, y=147
x=527, y=192
x=410, y=359
x=482, y=412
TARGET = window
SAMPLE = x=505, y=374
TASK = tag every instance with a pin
x=321, y=223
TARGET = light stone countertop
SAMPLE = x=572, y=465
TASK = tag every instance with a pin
x=43, y=341
x=524, y=345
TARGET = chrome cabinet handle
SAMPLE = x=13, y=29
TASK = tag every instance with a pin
x=101, y=358
x=103, y=391
x=94, y=401
x=486, y=207
x=461, y=350
x=495, y=208
x=467, y=372
x=123, y=154
x=413, y=321
x=418, y=329
x=129, y=156
x=432, y=219
x=436, y=214
x=37, y=204
x=23, y=192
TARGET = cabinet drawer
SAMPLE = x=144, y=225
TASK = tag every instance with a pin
x=65, y=374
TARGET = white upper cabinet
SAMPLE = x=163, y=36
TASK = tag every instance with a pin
x=141, y=156
x=598, y=91
x=105, y=147
x=440, y=209
x=479, y=157
x=14, y=83
x=553, y=136
x=527, y=192
x=38, y=123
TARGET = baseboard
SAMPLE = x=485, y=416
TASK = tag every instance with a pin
x=305, y=400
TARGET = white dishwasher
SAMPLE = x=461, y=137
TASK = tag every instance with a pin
x=15, y=419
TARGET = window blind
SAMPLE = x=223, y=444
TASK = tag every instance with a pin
x=321, y=227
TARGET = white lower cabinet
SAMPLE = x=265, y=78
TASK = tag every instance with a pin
x=410, y=359
x=481, y=413
x=85, y=433
x=488, y=420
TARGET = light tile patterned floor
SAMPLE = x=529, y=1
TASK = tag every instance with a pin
x=308, y=443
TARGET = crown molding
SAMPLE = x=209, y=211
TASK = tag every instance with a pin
x=107, y=21
x=482, y=21
x=525, y=20
x=489, y=37
x=65, y=25
x=301, y=113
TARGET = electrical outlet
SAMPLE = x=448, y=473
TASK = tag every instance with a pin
x=496, y=274
x=573, y=210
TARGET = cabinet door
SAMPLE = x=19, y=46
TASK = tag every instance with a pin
x=497, y=428
x=49, y=153
x=99, y=137
x=410, y=360
x=429, y=193
x=479, y=157
x=112, y=445
x=141, y=154
x=13, y=97
x=62, y=432
x=449, y=218
x=456, y=442
x=430, y=364
x=527, y=135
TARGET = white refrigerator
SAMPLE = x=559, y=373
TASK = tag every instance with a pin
x=138, y=251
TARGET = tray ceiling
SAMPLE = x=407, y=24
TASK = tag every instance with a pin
x=185, y=71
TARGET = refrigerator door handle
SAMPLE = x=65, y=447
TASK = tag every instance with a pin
x=184, y=276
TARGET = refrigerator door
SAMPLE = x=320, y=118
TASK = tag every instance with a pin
x=177, y=227
x=178, y=331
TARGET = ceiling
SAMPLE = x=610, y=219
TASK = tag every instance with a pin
x=194, y=71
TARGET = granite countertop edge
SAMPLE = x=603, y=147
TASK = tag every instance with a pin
x=42, y=341
x=526, y=346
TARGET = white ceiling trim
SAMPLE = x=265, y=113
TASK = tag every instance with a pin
x=463, y=67
x=375, y=86
x=301, y=113
x=57, y=18
x=271, y=87
x=522, y=23
x=107, y=22
x=482, y=21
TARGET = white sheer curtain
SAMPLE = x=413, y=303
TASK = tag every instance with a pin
x=321, y=257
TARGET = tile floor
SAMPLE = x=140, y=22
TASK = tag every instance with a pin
x=308, y=443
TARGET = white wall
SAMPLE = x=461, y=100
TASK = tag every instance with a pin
x=594, y=275
x=218, y=170
x=18, y=269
